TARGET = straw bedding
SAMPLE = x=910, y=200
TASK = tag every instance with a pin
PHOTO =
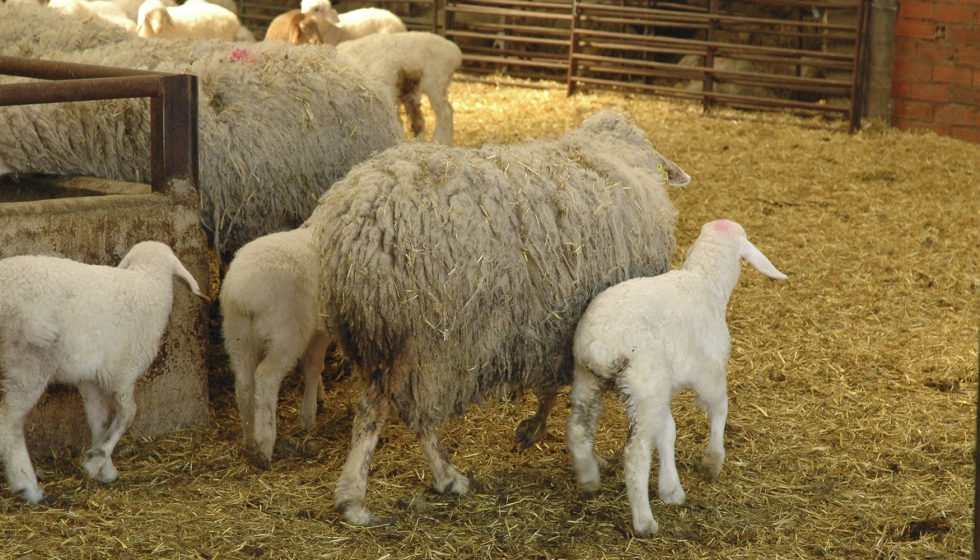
x=852, y=385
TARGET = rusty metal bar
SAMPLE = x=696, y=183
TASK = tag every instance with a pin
x=173, y=105
x=856, y=94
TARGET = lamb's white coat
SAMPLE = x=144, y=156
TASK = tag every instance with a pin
x=269, y=301
x=653, y=337
x=100, y=9
x=95, y=327
x=411, y=64
x=192, y=20
x=132, y=7
x=358, y=23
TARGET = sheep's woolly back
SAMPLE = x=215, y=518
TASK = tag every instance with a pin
x=34, y=31
x=278, y=124
x=467, y=270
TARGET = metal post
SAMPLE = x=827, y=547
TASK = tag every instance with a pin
x=174, y=135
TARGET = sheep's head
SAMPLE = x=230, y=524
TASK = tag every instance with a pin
x=320, y=9
x=153, y=17
x=303, y=29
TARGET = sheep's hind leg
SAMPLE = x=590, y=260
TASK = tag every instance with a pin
x=98, y=413
x=586, y=397
x=349, y=496
x=447, y=478
x=444, y=117
x=714, y=397
x=243, y=362
x=268, y=377
x=533, y=429
x=316, y=353
x=14, y=407
x=99, y=463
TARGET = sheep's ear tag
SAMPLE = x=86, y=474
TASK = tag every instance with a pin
x=664, y=176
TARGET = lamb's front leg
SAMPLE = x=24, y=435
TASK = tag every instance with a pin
x=447, y=479
x=349, y=497
x=17, y=402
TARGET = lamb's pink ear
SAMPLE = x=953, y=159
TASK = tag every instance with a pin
x=180, y=272
x=754, y=257
x=156, y=18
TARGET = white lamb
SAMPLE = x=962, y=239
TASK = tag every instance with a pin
x=411, y=64
x=192, y=20
x=100, y=9
x=95, y=327
x=652, y=337
x=269, y=301
x=132, y=7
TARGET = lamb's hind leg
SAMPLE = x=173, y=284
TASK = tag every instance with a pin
x=18, y=400
x=316, y=353
x=586, y=397
x=444, y=116
x=98, y=412
x=447, y=479
x=99, y=465
x=713, y=394
x=348, y=498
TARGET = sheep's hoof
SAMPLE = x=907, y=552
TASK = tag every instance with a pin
x=260, y=461
x=33, y=495
x=589, y=489
x=709, y=470
x=358, y=514
x=530, y=431
x=646, y=529
x=674, y=496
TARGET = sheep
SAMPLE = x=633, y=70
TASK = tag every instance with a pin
x=356, y=23
x=652, y=337
x=99, y=9
x=132, y=7
x=411, y=64
x=35, y=31
x=450, y=275
x=96, y=327
x=320, y=9
x=270, y=321
x=278, y=125
x=296, y=27
x=192, y=20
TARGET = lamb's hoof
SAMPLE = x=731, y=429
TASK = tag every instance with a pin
x=589, y=489
x=457, y=486
x=646, y=529
x=530, y=431
x=674, y=496
x=358, y=514
x=33, y=495
x=260, y=461
x=108, y=474
x=709, y=470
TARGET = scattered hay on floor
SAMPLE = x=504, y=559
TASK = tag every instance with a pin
x=852, y=385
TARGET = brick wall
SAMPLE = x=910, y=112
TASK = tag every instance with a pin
x=936, y=81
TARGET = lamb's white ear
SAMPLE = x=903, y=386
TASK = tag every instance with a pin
x=155, y=19
x=180, y=272
x=754, y=257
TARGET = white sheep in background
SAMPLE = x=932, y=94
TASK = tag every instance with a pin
x=295, y=27
x=192, y=20
x=652, y=337
x=132, y=7
x=100, y=9
x=271, y=320
x=411, y=64
x=320, y=9
x=353, y=24
x=95, y=327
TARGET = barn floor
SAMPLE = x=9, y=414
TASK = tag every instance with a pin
x=852, y=385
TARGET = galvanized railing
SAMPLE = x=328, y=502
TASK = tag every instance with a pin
x=173, y=105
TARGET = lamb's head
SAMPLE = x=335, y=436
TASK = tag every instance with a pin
x=154, y=255
x=152, y=19
x=320, y=9
x=729, y=237
x=303, y=29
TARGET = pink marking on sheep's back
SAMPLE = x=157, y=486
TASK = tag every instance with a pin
x=241, y=54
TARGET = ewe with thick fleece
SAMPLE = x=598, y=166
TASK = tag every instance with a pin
x=85, y=10
x=271, y=320
x=452, y=275
x=95, y=327
x=652, y=337
x=411, y=64
x=192, y=20
x=34, y=31
x=278, y=125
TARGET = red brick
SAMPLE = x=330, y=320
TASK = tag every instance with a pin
x=905, y=49
x=963, y=95
x=955, y=116
x=915, y=29
x=913, y=110
x=954, y=14
x=912, y=71
x=934, y=52
x=936, y=93
x=968, y=57
x=915, y=10
x=964, y=36
x=919, y=127
x=968, y=134
x=952, y=75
